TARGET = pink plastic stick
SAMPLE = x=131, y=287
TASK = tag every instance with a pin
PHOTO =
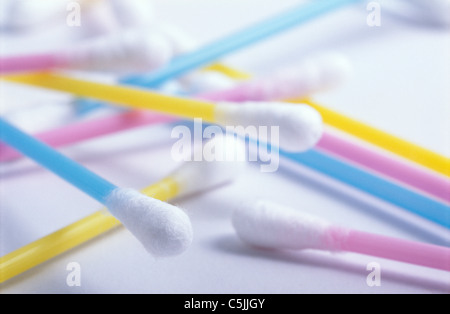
x=397, y=249
x=86, y=130
x=31, y=63
x=401, y=171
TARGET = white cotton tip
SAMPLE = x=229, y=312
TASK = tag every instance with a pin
x=163, y=229
x=205, y=81
x=220, y=161
x=292, y=127
x=332, y=70
x=312, y=76
x=126, y=52
x=269, y=225
x=133, y=13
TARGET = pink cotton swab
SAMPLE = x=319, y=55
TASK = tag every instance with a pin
x=128, y=51
x=272, y=226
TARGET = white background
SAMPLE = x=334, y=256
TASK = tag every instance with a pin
x=400, y=85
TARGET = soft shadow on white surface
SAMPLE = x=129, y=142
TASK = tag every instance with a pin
x=232, y=245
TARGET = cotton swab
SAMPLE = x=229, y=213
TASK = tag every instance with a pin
x=384, y=140
x=313, y=75
x=269, y=225
x=300, y=127
x=188, y=179
x=211, y=52
x=163, y=229
x=129, y=51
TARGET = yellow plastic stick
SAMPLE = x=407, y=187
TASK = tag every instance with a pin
x=46, y=248
x=365, y=132
x=232, y=73
x=137, y=98
x=382, y=139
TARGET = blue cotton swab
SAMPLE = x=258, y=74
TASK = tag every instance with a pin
x=162, y=228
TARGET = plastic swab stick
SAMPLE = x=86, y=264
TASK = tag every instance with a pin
x=269, y=225
x=300, y=126
x=382, y=139
x=163, y=229
x=190, y=178
x=211, y=52
x=90, y=129
x=374, y=185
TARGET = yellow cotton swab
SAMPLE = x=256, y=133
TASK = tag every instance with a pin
x=298, y=127
x=190, y=178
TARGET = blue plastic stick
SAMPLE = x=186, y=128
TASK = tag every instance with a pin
x=395, y=194
x=69, y=170
x=215, y=50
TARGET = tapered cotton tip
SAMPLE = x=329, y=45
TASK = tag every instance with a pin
x=269, y=225
x=292, y=127
x=163, y=229
x=220, y=161
x=204, y=82
x=314, y=75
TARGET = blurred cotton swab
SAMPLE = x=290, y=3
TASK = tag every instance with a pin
x=163, y=229
x=190, y=178
x=128, y=51
x=299, y=126
x=269, y=225
x=311, y=76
